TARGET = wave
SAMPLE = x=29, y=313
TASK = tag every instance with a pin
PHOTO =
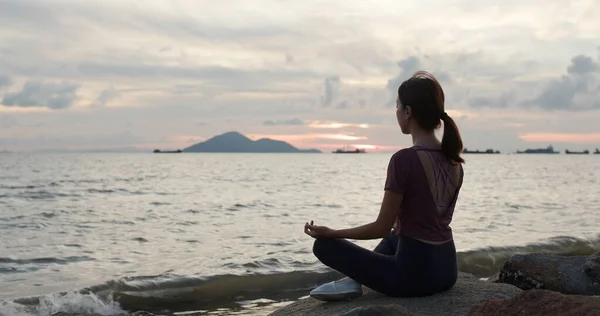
x=485, y=262
x=183, y=293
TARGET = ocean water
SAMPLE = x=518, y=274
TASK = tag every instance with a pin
x=222, y=234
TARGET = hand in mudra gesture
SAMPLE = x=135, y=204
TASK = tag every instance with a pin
x=317, y=231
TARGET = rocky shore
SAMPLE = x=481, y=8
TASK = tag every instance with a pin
x=532, y=284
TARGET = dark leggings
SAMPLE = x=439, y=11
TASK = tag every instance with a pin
x=399, y=266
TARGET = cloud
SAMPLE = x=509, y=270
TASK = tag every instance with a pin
x=163, y=67
x=335, y=125
x=5, y=81
x=408, y=66
x=332, y=91
x=106, y=96
x=303, y=137
x=578, y=89
x=293, y=121
x=43, y=94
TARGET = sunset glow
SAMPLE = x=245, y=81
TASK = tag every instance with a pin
x=335, y=125
x=291, y=138
x=174, y=73
x=561, y=137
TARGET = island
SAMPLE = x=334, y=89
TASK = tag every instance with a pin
x=235, y=142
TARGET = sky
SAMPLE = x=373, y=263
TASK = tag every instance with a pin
x=318, y=74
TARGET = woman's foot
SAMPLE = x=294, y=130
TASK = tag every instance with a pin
x=344, y=289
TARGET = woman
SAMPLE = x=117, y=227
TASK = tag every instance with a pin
x=416, y=256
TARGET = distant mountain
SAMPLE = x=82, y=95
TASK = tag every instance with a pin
x=234, y=142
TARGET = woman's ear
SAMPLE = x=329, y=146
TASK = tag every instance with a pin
x=408, y=111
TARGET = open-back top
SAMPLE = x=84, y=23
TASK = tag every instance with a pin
x=430, y=183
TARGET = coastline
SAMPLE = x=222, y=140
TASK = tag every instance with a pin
x=274, y=299
x=528, y=284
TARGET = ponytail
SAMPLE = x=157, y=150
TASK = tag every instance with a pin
x=452, y=145
x=426, y=97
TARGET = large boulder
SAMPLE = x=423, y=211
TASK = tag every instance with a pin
x=591, y=267
x=467, y=292
x=539, y=303
x=568, y=275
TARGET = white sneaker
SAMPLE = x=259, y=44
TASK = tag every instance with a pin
x=345, y=289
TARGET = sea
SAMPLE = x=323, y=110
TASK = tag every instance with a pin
x=222, y=234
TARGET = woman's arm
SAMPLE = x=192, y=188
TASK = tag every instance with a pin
x=381, y=227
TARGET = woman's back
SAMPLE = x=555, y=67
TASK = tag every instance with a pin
x=431, y=186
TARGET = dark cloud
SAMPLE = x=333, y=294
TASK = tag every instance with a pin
x=581, y=65
x=577, y=90
x=106, y=96
x=41, y=94
x=332, y=90
x=5, y=81
x=293, y=121
x=408, y=67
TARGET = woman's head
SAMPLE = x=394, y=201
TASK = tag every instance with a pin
x=420, y=105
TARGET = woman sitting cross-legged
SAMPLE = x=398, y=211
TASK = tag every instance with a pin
x=416, y=256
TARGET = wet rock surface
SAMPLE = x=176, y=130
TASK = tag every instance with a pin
x=467, y=292
x=539, y=303
x=569, y=275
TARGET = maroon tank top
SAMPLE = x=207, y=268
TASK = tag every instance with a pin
x=420, y=216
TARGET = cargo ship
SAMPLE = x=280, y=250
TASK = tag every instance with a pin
x=547, y=150
x=487, y=151
x=158, y=151
x=349, y=151
x=585, y=152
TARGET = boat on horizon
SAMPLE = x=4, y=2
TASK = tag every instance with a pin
x=597, y=152
x=158, y=151
x=585, y=152
x=547, y=150
x=487, y=151
x=347, y=150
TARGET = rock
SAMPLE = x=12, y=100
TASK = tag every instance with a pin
x=141, y=313
x=549, y=272
x=467, y=292
x=539, y=303
x=494, y=278
x=380, y=310
x=591, y=267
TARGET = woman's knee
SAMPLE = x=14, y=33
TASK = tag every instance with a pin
x=323, y=246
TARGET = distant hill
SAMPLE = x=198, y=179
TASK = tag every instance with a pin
x=234, y=142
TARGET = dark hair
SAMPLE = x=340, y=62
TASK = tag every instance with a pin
x=424, y=94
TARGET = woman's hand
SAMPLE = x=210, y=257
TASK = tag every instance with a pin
x=318, y=231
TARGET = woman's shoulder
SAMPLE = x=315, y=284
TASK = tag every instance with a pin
x=404, y=155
